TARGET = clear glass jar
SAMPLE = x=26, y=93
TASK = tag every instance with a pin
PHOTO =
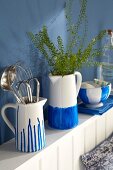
x=105, y=71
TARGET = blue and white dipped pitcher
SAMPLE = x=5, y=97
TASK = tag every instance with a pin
x=63, y=112
x=29, y=131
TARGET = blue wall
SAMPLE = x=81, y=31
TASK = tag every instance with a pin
x=18, y=17
x=100, y=16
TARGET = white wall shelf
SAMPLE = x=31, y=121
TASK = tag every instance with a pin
x=63, y=148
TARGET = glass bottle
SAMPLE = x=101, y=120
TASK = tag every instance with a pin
x=105, y=71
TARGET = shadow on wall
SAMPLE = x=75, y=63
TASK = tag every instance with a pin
x=16, y=18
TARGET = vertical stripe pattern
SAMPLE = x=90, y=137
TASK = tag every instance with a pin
x=16, y=134
x=63, y=118
x=33, y=138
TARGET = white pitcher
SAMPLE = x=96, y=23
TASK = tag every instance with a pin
x=29, y=130
x=63, y=91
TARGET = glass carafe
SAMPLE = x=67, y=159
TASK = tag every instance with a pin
x=105, y=71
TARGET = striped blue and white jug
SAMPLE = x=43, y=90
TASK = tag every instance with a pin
x=63, y=91
x=29, y=131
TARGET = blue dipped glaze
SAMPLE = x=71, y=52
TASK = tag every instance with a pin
x=63, y=118
x=33, y=145
x=83, y=96
x=100, y=94
x=31, y=136
x=21, y=142
x=43, y=130
x=15, y=137
x=28, y=138
x=39, y=136
x=17, y=129
x=105, y=93
x=24, y=141
x=35, y=138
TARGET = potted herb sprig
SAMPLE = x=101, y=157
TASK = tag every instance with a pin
x=63, y=65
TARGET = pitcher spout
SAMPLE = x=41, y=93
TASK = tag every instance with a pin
x=43, y=101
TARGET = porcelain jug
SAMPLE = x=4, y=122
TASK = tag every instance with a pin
x=29, y=130
x=63, y=91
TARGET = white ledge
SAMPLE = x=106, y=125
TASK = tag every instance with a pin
x=10, y=159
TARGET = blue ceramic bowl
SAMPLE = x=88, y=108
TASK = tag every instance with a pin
x=94, y=96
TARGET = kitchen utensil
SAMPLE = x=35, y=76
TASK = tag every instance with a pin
x=7, y=81
x=28, y=85
x=37, y=85
x=11, y=76
x=22, y=74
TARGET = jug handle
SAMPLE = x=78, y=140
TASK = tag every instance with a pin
x=78, y=81
x=3, y=113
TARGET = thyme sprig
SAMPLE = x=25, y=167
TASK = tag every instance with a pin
x=64, y=61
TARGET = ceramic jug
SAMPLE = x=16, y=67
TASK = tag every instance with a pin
x=29, y=130
x=63, y=91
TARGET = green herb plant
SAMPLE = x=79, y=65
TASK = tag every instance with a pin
x=64, y=61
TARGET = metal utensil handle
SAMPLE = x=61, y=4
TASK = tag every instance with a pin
x=38, y=87
x=28, y=88
x=29, y=91
x=18, y=96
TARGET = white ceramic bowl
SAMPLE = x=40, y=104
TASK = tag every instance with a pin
x=94, y=96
